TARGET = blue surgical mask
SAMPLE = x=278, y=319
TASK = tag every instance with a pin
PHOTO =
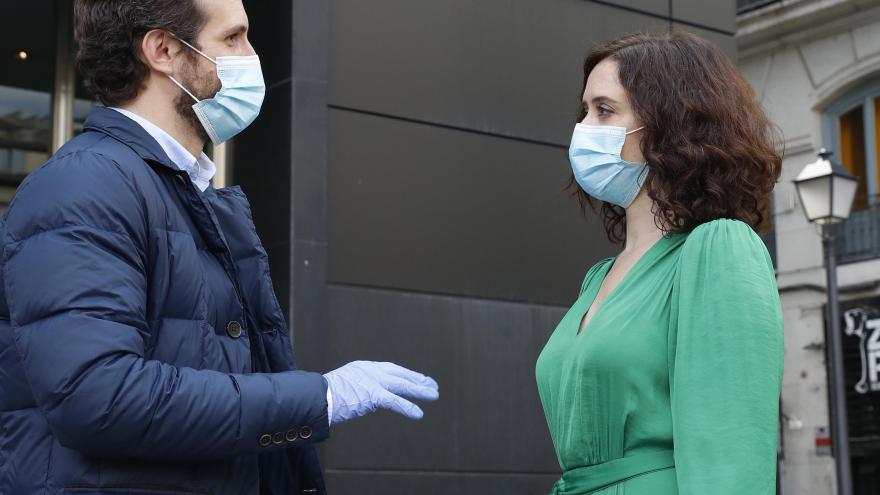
x=598, y=167
x=238, y=102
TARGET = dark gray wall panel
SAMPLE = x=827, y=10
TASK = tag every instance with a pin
x=361, y=483
x=511, y=67
x=307, y=145
x=429, y=209
x=417, y=209
x=727, y=43
x=482, y=353
x=310, y=156
x=309, y=305
x=658, y=7
x=718, y=14
x=311, y=30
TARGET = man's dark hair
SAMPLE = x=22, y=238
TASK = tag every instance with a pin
x=109, y=34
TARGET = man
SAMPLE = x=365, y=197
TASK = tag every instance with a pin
x=142, y=349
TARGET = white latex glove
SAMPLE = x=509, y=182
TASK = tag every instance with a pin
x=362, y=387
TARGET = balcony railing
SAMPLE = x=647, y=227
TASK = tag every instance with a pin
x=743, y=6
x=858, y=238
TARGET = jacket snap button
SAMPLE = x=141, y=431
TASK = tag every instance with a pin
x=234, y=329
x=290, y=436
x=265, y=440
x=305, y=432
x=278, y=438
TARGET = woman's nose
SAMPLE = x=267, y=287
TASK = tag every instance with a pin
x=590, y=120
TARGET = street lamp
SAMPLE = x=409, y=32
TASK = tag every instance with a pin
x=826, y=191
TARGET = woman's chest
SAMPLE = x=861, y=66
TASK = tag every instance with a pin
x=627, y=336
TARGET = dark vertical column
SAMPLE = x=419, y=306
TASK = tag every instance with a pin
x=308, y=150
x=261, y=155
x=280, y=161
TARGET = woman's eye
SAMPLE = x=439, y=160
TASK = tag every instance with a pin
x=605, y=110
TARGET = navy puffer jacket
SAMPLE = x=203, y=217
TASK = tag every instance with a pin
x=142, y=349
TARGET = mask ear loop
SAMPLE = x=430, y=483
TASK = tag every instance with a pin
x=198, y=167
x=197, y=51
x=175, y=81
x=193, y=48
x=184, y=89
x=635, y=130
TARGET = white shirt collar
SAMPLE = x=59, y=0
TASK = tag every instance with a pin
x=200, y=170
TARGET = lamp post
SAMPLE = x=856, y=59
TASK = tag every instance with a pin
x=826, y=191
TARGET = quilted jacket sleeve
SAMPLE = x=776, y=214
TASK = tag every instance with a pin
x=74, y=266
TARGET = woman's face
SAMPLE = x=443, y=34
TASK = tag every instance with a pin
x=605, y=103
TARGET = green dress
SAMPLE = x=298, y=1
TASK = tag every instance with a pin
x=673, y=386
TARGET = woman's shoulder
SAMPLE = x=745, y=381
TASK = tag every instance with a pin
x=724, y=241
x=723, y=233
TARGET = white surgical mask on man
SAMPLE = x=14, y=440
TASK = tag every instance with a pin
x=239, y=100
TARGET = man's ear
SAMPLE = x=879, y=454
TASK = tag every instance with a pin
x=158, y=49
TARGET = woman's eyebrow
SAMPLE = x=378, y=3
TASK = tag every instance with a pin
x=599, y=99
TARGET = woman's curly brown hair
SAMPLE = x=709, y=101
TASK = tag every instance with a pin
x=109, y=33
x=708, y=145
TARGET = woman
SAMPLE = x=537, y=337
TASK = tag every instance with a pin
x=664, y=376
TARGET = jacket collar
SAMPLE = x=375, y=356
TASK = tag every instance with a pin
x=128, y=132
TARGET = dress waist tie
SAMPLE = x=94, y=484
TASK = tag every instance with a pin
x=583, y=480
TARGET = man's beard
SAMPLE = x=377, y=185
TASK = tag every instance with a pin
x=202, y=88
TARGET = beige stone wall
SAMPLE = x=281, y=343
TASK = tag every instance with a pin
x=800, y=56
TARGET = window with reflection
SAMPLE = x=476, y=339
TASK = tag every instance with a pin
x=852, y=151
x=26, y=80
x=855, y=130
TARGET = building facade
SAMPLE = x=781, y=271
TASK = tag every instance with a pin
x=815, y=65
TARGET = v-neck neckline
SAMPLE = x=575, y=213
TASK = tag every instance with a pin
x=643, y=259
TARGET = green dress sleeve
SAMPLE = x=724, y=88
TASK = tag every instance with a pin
x=725, y=358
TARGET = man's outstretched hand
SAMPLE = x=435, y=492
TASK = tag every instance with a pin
x=361, y=387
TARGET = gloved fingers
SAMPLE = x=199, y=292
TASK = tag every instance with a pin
x=387, y=400
x=405, y=388
x=407, y=374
